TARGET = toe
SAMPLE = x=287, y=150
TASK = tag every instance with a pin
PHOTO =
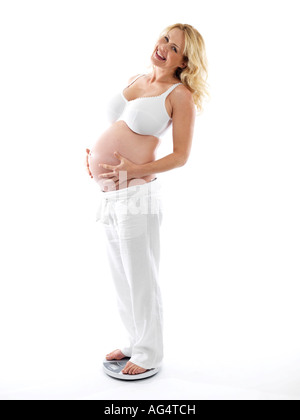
x=111, y=355
x=131, y=370
x=116, y=354
x=127, y=367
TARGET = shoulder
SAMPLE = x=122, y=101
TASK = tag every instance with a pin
x=182, y=98
x=181, y=92
x=132, y=78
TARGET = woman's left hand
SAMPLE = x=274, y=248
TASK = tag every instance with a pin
x=131, y=169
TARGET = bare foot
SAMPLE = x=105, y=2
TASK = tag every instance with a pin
x=115, y=355
x=133, y=369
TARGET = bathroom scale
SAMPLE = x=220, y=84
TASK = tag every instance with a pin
x=114, y=368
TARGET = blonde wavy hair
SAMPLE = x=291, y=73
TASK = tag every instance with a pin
x=194, y=75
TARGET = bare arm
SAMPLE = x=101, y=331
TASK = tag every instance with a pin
x=183, y=121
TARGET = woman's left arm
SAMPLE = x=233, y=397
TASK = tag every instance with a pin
x=183, y=121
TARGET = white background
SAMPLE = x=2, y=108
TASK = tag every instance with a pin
x=230, y=234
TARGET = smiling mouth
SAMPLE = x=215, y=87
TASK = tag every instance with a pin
x=158, y=57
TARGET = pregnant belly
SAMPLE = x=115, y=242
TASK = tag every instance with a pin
x=118, y=137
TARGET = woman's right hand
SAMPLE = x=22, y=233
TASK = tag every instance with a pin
x=87, y=162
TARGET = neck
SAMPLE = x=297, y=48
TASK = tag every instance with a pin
x=162, y=76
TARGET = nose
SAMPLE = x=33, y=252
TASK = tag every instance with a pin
x=162, y=49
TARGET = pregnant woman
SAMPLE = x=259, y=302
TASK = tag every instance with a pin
x=123, y=163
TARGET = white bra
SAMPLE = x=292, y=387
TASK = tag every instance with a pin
x=146, y=115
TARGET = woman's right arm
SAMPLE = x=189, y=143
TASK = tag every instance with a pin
x=87, y=150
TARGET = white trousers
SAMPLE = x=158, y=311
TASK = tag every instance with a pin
x=131, y=218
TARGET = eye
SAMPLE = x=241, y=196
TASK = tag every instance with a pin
x=175, y=49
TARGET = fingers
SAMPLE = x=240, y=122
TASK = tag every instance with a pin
x=87, y=163
x=110, y=184
x=90, y=174
x=105, y=166
x=108, y=175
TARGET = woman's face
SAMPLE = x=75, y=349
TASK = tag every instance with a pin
x=170, y=47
